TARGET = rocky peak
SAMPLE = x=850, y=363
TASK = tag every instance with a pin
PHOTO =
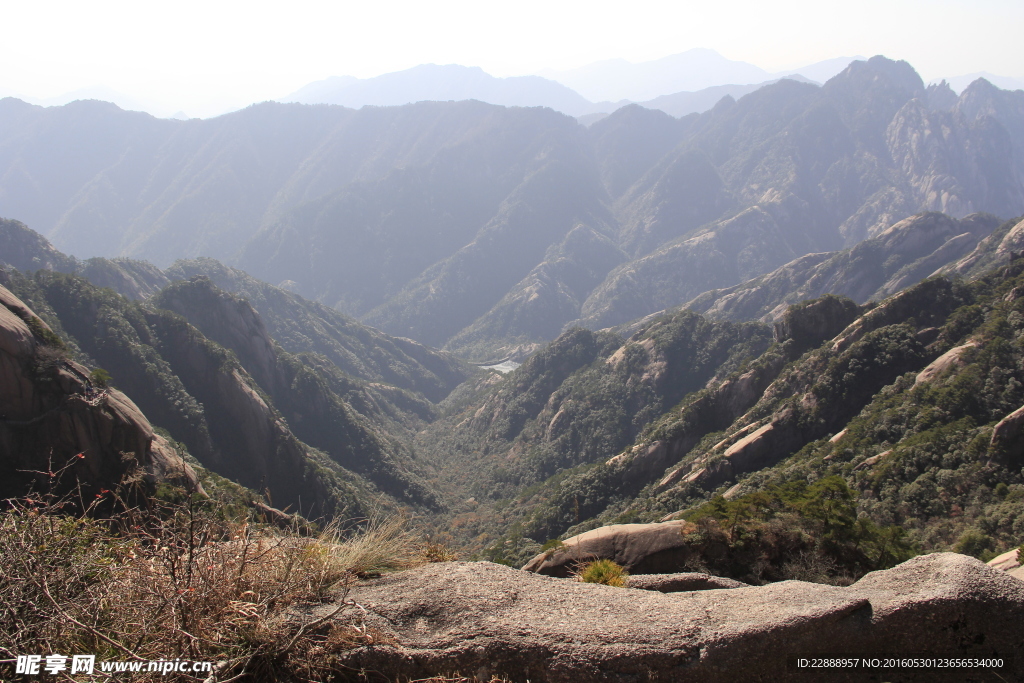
x=940, y=96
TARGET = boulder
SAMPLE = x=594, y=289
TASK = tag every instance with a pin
x=483, y=620
x=655, y=548
x=1009, y=562
x=949, y=359
x=1007, y=443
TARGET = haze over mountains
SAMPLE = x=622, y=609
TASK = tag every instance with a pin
x=680, y=84
x=693, y=70
x=488, y=230
x=268, y=378
x=444, y=83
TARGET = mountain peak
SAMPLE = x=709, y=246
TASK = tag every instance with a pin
x=897, y=72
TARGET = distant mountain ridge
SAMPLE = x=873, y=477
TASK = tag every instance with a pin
x=902, y=255
x=488, y=229
x=443, y=83
x=693, y=70
x=678, y=85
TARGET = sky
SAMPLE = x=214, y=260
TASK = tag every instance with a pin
x=208, y=57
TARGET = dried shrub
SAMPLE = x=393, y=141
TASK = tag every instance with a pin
x=177, y=581
x=434, y=551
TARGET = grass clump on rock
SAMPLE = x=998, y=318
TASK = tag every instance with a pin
x=604, y=572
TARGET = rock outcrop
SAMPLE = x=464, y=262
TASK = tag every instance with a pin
x=947, y=360
x=1007, y=441
x=58, y=430
x=484, y=620
x=640, y=548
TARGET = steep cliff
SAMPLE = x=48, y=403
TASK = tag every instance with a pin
x=345, y=418
x=198, y=391
x=59, y=429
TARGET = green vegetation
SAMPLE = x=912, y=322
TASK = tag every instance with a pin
x=199, y=392
x=604, y=572
x=100, y=377
x=794, y=531
x=915, y=468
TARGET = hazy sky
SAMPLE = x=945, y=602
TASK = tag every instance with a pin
x=207, y=57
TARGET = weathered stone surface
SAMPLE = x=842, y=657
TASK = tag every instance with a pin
x=640, y=548
x=686, y=581
x=482, y=619
x=868, y=463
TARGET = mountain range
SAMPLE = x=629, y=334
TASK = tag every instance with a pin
x=690, y=82
x=488, y=230
x=445, y=83
x=675, y=415
x=776, y=339
x=291, y=399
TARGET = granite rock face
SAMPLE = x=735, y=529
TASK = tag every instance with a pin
x=52, y=415
x=483, y=619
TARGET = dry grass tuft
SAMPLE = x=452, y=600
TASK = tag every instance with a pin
x=378, y=544
x=177, y=582
x=432, y=551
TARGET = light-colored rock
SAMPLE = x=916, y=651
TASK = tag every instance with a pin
x=766, y=445
x=951, y=358
x=868, y=463
x=16, y=338
x=735, y=436
x=1009, y=560
x=748, y=441
x=486, y=620
x=1013, y=242
x=641, y=548
x=733, y=491
x=673, y=478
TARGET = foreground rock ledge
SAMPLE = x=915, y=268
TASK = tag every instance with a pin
x=482, y=619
